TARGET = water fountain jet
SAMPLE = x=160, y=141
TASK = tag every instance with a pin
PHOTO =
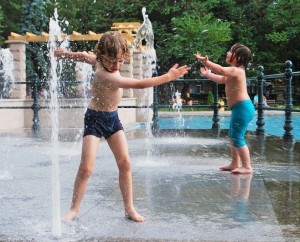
x=54, y=35
x=6, y=72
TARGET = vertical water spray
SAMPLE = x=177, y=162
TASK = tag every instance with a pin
x=6, y=72
x=145, y=32
x=54, y=35
x=84, y=74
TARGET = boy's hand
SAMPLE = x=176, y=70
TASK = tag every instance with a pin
x=205, y=71
x=201, y=58
x=176, y=72
x=59, y=52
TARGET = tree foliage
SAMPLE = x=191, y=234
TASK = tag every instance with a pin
x=191, y=33
x=284, y=33
x=1, y=24
x=270, y=28
x=12, y=11
x=35, y=21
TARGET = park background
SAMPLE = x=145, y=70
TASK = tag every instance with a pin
x=270, y=28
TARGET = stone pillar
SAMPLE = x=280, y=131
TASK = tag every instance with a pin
x=18, y=50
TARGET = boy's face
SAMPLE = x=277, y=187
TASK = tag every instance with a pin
x=112, y=64
x=230, y=57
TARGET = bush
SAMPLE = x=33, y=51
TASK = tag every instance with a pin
x=210, y=98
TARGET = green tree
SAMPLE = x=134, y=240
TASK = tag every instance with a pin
x=1, y=26
x=193, y=33
x=284, y=33
x=210, y=98
x=270, y=28
x=248, y=26
x=12, y=12
x=180, y=29
x=82, y=16
x=35, y=21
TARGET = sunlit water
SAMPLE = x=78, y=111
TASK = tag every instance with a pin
x=145, y=33
x=6, y=71
x=179, y=189
x=273, y=124
x=175, y=189
x=55, y=34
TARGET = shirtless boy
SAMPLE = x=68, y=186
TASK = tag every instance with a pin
x=101, y=118
x=242, y=109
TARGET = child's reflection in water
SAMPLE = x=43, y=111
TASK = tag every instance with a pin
x=240, y=191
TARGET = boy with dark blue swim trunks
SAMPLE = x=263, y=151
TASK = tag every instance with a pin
x=101, y=118
x=242, y=109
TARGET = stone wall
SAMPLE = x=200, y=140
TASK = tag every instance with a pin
x=18, y=50
x=70, y=118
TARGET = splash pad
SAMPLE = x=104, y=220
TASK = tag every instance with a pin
x=178, y=188
x=177, y=184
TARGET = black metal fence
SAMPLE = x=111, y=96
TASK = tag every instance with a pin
x=214, y=106
x=260, y=79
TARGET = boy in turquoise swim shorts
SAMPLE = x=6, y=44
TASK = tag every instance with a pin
x=242, y=109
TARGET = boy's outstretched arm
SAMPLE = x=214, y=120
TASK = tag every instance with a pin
x=209, y=64
x=216, y=68
x=77, y=56
x=174, y=73
x=214, y=77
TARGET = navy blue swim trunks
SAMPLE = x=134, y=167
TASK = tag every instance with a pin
x=101, y=123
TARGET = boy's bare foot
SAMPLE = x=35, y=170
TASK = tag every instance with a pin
x=134, y=216
x=228, y=168
x=69, y=216
x=242, y=170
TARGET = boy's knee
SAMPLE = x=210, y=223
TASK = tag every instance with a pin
x=85, y=172
x=124, y=165
x=238, y=142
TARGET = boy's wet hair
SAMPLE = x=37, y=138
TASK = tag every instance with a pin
x=111, y=44
x=243, y=55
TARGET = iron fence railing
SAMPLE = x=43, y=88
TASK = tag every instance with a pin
x=215, y=106
x=260, y=79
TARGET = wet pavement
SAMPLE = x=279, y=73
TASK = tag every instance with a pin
x=178, y=187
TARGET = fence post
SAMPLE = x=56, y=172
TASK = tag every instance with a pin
x=155, y=126
x=35, y=107
x=288, y=126
x=216, y=106
x=260, y=111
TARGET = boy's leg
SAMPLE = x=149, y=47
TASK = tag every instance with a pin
x=245, y=185
x=119, y=147
x=235, y=159
x=245, y=159
x=88, y=157
x=240, y=187
x=242, y=114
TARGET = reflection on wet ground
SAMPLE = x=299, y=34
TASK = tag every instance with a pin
x=177, y=186
x=276, y=160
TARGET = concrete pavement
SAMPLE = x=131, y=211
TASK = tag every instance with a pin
x=178, y=187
